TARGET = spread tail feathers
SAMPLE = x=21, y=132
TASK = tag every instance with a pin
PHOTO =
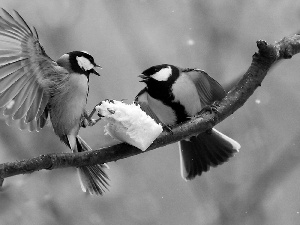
x=201, y=152
x=93, y=179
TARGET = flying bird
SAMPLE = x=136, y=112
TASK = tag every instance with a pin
x=33, y=88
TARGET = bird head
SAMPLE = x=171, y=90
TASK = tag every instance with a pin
x=157, y=73
x=160, y=76
x=79, y=62
x=159, y=80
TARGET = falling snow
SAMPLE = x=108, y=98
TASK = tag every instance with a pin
x=190, y=42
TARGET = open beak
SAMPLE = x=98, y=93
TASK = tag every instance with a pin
x=94, y=71
x=144, y=77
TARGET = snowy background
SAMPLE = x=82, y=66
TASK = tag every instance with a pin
x=260, y=185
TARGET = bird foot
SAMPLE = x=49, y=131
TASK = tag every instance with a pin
x=167, y=128
x=210, y=108
x=87, y=120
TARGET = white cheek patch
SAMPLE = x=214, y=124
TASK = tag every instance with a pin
x=163, y=74
x=84, y=63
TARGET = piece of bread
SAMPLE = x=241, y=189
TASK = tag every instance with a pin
x=128, y=123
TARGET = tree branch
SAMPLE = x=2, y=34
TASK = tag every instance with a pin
x=262, y=61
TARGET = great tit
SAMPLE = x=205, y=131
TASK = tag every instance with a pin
x=172, y=96
x=33, y=87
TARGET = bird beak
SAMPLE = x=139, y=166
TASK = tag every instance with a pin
x=144, y=77
x=94, y=71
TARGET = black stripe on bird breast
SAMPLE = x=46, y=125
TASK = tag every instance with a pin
x=180, y=112
x=162, y=91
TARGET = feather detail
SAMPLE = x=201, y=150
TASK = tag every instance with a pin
x=27, y=73
x=43, y=104
x=142, y=100
x=27, y=103
x=206, y=150
x=16, y=97
x=209, y=90
x=93, y=179
x=32, y=86
x=34, y=107
x=12, y=70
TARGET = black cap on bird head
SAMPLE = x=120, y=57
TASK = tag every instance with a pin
x=163, y=72
x=83, y=62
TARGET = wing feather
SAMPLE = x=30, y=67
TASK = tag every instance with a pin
x=43, y=105
x=208, y=89
x=11, y=34
x=9, y=27
x=23, y=125
x=14, y=23
x=27, y=103
x=12, y=91
x=9, y=77
x=42, y=120
x=21, y=22
x=11, y=59
x=26, y=73
x=32, y=112
x=142, y=100
x=9, y=52
x=36, y=35
x=32, y=126
x=19, y=99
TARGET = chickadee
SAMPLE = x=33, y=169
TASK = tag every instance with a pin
x=33, y=87
x=172, y=96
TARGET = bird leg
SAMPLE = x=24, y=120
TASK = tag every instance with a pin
x=167, y=128
x=210, y=108
x=86, y=120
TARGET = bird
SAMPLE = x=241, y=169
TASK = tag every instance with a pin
x=34, y=88
x=172, y=96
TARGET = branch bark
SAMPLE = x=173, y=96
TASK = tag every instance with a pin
x=267, y=56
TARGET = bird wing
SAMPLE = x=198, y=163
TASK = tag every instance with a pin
x=208, y=88
x=25, y=73
x=142, y=100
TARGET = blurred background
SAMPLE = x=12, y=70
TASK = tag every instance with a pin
x=260, y=185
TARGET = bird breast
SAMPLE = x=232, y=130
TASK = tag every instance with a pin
x=68, y=106
x=163, y=112
x=185, y=93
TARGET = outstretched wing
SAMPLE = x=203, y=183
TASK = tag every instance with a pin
x=208, y=89
x=25, y=72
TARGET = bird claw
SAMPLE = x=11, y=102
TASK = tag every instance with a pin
x=167, y=128
x=107, y=100
x=85, y=122
x=210, y=108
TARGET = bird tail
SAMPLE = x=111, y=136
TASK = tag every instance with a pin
x=207, y=149
x=93, y=179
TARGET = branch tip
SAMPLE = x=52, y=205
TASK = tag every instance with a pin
x=288, y=52
x=261, y=44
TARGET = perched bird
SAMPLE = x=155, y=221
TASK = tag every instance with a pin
x=172, y=96
x=33, y=87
